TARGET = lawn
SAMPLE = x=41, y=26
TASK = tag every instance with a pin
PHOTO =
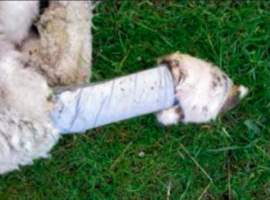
x=138, y=159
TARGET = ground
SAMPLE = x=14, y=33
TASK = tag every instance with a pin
x=139, y=159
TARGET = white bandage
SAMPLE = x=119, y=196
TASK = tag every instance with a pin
x=115, y=100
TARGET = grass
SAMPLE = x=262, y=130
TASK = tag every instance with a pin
x=137, y=159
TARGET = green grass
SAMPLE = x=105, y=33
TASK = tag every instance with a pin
x=226, y=159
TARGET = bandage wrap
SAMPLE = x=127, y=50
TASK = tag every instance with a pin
x=112, y=101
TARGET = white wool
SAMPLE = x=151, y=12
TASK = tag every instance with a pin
x=26, y=132
x=243, y=91
x=201, y=91
x=23, y=139
x=168, y=117
x=199, y=100
x=16, y=19
x=26, y=95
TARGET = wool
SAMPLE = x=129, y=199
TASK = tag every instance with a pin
x=202, y=89
x=30, y=66
x=16, y=19
x=26, y=132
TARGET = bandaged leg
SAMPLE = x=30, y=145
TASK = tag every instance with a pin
x=126, y=97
